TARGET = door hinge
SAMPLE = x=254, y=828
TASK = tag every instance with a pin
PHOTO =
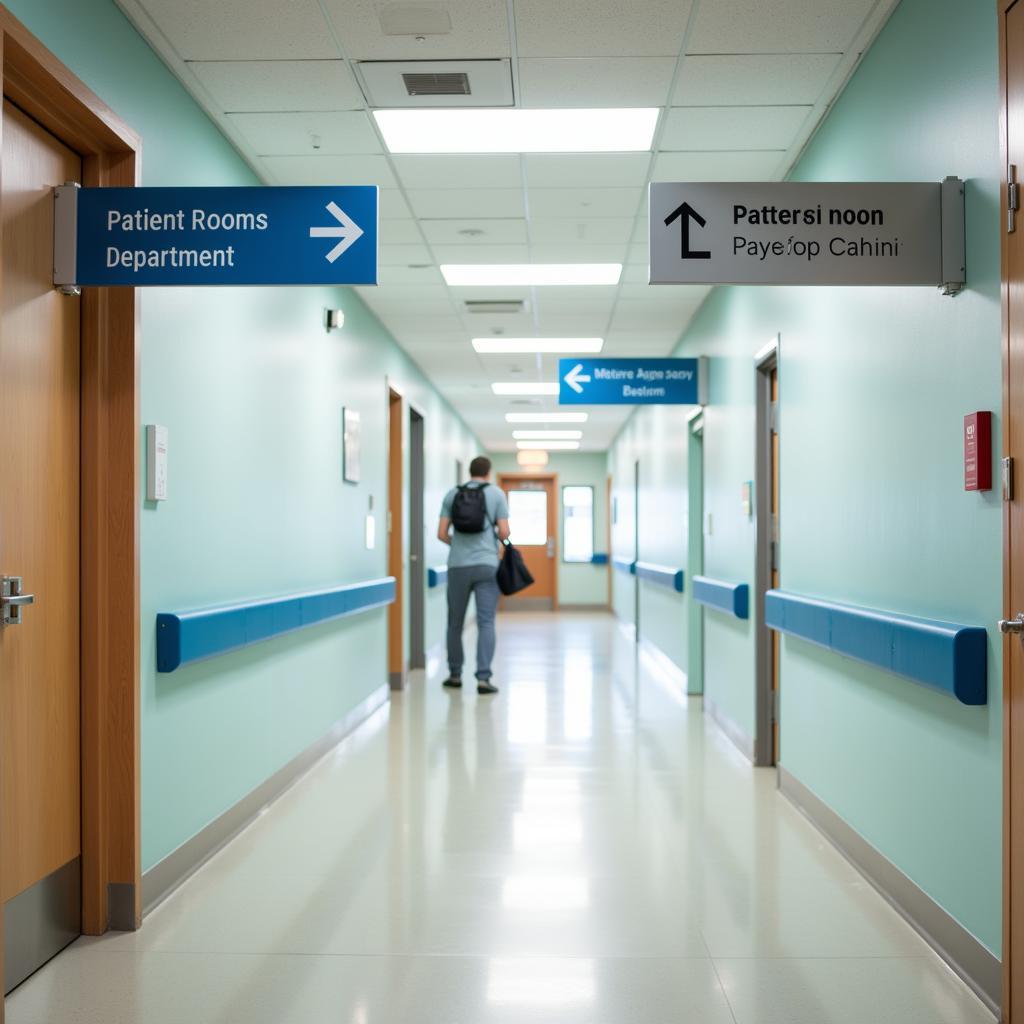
x=774, y=543
x=773, y=704
x=1007, y=468
x=773, y=417
x=1012, y=198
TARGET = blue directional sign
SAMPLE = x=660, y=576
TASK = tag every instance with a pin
x=631, y=381
x=215, y=236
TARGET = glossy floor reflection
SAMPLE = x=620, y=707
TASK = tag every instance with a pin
x=584, y=847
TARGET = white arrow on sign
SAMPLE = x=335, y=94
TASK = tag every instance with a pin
x=575, y=377
x=348, y=231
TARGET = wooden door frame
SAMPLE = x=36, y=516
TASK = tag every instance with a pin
x=395, y=462
x=37, y=82
x=766, y=361
x=553, y=478
x=1003, y=8
x=418, y=576
x=608, y=538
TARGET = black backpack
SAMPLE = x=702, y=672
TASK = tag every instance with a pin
x=469, y=509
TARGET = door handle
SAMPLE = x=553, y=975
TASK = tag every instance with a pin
x=1012, y=625
x=551, y=547
x=12, y=600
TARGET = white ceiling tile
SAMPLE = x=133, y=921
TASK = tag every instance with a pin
x=642, y=315
x=393, y=205
x=486, y=325
x=396, y=255
x=683, y=296
x=752, y=165
x=409, y=321
x=692, y=128
x=595, y=81
x=598, y=28
x=481, y=254
x=576, y=252
x=590, y=170
x=510, y=231
x=390, y=294
x=255, y=85
x=479, y=28
x=294, y=134
x=572, y=231
x=584, y=202
x=403, y=312
x=636, y=273
x=573, y=325
x=753, y=78
x=464, y=293
x=404, y=274
x=243, y=30
x=330, y=170
x=399, y=232
x=436, y=170
x=467, y=203
x=550, y=301
x=778, y=26
x=641, y=230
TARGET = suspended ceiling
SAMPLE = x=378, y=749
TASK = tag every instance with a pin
x=742, y=85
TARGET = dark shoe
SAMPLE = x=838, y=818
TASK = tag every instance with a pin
x=452, y=682
x=485, y=686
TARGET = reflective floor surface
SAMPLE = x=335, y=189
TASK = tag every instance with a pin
x=583, y=847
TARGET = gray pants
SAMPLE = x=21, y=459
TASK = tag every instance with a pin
x=462, y=582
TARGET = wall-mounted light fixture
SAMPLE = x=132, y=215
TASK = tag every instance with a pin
x=334, y=319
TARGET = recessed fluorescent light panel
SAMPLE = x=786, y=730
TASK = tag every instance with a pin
x=514, y=130
x=529, y=275
x=524, y=388
x=547, y=435
x=508, y=346
x=547, y=446
x=546, y=417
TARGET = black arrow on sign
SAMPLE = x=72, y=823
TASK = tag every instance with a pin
x=684, y=213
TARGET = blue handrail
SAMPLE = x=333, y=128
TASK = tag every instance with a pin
x=733, y=598
x=436, y=575
x=184, y=637
x=662, y=574
x=599, y=559
x=625, y=565
x=943, y=655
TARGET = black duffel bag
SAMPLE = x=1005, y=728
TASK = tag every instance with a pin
x=513, y=575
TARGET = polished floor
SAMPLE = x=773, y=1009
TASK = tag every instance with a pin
x=584, y=847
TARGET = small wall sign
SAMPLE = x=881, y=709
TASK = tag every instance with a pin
x=978, y=451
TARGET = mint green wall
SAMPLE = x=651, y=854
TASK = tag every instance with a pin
x=577, y=584
x=874, y=383
x=251, y=389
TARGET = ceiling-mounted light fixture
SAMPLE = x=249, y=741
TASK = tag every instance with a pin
x=515, y=130
x=566, y=446
x=547, y=435
x=524, y=388
x=546, y=417
x=506, y=346
x=530, y=275
x=532, y=458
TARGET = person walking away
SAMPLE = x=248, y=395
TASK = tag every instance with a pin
x=474, y=518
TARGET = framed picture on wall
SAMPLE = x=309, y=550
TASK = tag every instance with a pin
x=351, y=445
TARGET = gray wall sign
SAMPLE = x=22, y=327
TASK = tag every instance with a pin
x=825, y=233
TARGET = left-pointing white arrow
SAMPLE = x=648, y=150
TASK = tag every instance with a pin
x=576, y=378
x=348, y=231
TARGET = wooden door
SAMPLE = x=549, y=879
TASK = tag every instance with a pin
x=774, y=505
x=533, y=518
x=1012, y=73
x=40, y=692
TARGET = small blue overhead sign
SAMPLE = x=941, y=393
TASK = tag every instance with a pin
x=632, y=381
x=287, y=235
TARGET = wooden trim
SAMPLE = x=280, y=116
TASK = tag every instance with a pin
x=111, y=834
x=608, y=534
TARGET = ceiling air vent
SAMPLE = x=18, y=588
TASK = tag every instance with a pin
x=453, y=83
x=437, y=83
x=497, y=306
